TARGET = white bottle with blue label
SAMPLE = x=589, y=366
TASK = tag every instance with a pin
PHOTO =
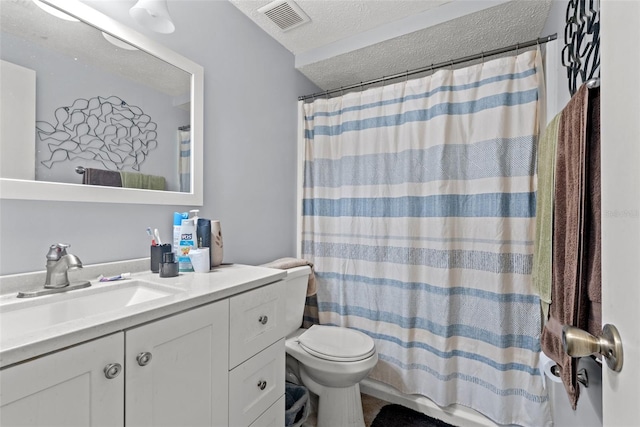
x=188, y=241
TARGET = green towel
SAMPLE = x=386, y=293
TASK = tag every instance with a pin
x=139, y=180
x=542, y=252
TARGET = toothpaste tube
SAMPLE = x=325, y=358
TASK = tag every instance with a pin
x=122, y=276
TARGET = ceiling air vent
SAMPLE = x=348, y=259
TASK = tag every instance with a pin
x=286, y=14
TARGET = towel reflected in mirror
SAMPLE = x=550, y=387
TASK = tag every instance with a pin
x=109, y=178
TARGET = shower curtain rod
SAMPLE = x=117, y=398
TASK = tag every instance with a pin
x=431, y=67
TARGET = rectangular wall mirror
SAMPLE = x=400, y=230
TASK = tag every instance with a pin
x=93, y=111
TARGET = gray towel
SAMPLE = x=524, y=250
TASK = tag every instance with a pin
x=101, y=177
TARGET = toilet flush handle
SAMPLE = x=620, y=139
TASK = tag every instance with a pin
x=263, y=319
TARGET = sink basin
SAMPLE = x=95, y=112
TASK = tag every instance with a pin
x=19, y=317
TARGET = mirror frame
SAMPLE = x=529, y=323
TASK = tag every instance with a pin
x=18, y=189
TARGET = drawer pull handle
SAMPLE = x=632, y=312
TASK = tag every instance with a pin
x=262, y=384
x=144, y=358
x=263, y=319
x=112, y=370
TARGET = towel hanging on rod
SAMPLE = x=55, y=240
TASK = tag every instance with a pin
x=576, y=245
x=107, y=178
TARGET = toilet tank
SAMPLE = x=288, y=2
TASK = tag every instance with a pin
x=296, y=294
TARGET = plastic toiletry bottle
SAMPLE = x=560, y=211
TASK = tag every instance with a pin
x=187, y=242
x=204, y=233
x=193, y=214
x=177, y=223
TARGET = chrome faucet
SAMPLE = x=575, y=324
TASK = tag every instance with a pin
x=59, y=262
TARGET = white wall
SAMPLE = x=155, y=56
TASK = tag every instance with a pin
x=250, y=122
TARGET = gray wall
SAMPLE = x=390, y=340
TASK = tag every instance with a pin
x=555, y=23
x=250, y=114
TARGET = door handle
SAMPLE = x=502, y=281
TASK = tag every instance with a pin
x=579, y=343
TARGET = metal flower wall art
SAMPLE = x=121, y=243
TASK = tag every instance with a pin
x=581, y=53
x=107, y=130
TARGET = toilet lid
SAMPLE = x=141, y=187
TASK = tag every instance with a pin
x=337, y=344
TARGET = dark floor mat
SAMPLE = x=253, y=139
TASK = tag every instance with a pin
x=399, y=416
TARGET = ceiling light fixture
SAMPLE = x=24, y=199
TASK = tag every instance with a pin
x=154, y=15
x=55, y=12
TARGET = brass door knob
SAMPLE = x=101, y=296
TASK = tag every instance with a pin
x=579, y=343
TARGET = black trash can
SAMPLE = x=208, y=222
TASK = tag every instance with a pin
x=296, y=405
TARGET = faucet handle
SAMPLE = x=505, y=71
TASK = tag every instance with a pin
x=57, y=251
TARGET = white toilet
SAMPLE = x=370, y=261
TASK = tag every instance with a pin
x=331, y=360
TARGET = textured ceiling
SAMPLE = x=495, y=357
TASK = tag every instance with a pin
x=333, y=22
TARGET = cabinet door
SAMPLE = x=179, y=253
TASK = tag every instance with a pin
x=257, y=321
x=177, y=369
x=67, y=388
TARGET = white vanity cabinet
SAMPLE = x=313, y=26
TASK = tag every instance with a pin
x=176, y=369
x=67, y=388
x=220, y=363
x=257, y=357
x=176, y=374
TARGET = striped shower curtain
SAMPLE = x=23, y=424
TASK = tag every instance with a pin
x=418, y=214
x=184, y=160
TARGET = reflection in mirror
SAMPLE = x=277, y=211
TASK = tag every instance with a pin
x=83, y=106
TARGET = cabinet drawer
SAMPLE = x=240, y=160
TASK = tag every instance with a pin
x=256, y=384
x=273, y=417
x=257, y=321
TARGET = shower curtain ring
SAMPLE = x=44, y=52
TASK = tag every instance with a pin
x=452, y=65
x=327, y=94
x=483, y=56
x=406, y=76
x=517, y=48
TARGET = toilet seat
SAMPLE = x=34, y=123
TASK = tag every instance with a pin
x=336, y=344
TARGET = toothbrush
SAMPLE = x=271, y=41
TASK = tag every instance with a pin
x=150, y=233
x=157, y=234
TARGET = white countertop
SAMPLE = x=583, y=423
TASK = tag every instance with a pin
x=196, y=289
